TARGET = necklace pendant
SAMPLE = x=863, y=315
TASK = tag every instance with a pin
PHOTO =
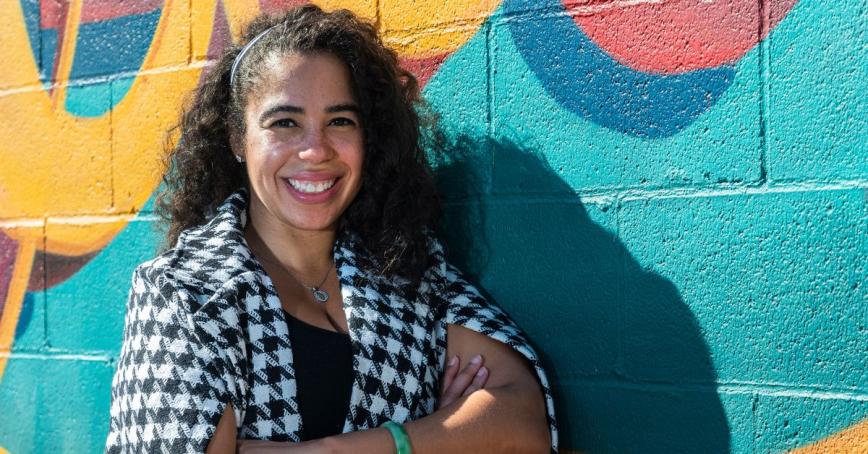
x=320, y=295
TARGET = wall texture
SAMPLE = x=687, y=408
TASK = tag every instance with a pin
x=670, y=196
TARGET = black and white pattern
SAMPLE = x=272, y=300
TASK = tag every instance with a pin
x=204, y=327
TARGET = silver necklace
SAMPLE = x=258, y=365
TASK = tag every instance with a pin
x=319, y=295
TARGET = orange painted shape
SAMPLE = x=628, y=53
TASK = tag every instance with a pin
x=140, y=121
x=364, y=8
x=422, y=29
x=852, y=440
x=65, y=165
x=15, y=47
x=53, y=163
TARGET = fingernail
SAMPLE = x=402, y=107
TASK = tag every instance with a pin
x=481, y=372
x=476, y=359
x=453, y=361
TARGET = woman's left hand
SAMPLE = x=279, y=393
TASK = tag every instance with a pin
x=456, y=385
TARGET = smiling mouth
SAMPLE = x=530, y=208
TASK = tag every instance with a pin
x=310, y=187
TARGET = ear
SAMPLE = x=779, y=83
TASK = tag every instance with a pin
x=236, y=144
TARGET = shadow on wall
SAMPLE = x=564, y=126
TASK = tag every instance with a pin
x=630, y=370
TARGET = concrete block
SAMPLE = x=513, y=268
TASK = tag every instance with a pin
x=30, y=330
x=86, y=310
x=555, y=268
x=112, y=45
x=22, y=308
x=788, y=422
x=145, y=108
x=601, y=124
x=22, y=44
x=424, y=15
x=55, y=404
x=58, y=163
x=458, y=93
x=772, y=285
x=613, y=418
x=819, y=76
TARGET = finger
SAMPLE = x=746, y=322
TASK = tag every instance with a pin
x=478, y=381
x=462, y=380
x=450, y=373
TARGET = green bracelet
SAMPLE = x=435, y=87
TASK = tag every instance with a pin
x=402, y=441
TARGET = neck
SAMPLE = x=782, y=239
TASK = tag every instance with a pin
x=305, y=253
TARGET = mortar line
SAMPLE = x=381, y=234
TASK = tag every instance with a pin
x=762, y=389
x=111, y=119
x=489, y=104
x=765, y=72
x=754, y=406
x=617, y=196
x=378, y=15
x=57, y=356
x=190, y=56
x=44, y=291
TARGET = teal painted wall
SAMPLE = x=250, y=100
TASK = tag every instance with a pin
x=685, y=240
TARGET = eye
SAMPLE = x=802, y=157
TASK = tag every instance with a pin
x=285, y=123
x=342, y=121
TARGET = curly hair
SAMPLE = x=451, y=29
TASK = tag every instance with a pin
x=397, y=205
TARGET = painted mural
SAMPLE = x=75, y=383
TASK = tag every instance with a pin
x=690, y=177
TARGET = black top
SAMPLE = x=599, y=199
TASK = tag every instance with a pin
x=323, y=365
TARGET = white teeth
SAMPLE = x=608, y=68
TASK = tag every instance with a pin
x=311, y=188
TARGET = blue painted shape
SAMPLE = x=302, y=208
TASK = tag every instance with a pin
x=25, y=316
x=48, y=51
x=89, y=100
x=585, y=80
x=96, y=295
x=787, y=422
x=30, y=9
x=114, y=46
x=818, y=127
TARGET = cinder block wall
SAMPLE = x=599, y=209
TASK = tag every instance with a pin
x=668, y=196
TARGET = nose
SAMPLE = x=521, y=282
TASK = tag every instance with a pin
x=316, y=148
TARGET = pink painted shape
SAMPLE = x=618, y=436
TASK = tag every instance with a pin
x=8, y=252
x=675, y=36
x=275, y=6
x=424, y=68
x=52, y=13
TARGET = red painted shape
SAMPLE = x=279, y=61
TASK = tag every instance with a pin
x=675, y=36
x=53, y=12
x=274, y=6
x=423, y=68
x=8, y=252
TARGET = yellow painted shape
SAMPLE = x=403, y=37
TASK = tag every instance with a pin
x=15, y=296
x=853, y=440
x=422, y=29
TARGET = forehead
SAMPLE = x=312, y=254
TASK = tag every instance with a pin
x=304, y=80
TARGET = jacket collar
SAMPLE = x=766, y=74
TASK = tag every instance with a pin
x=212, y=254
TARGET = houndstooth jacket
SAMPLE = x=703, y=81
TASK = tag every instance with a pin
x=204, y=327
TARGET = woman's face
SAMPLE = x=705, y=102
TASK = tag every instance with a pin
x=303, y=143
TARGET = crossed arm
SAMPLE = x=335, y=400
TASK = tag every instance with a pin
x=507, y=414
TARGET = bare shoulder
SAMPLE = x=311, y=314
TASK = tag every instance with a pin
x=506, y=365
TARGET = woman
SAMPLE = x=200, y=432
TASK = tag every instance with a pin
x=305, y=305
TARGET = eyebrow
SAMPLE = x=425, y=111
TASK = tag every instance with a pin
x=288, y=108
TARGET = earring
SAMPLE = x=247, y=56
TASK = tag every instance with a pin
x=239, y=158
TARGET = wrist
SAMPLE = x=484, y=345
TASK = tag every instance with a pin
x=327, y=445
x=399, y=436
